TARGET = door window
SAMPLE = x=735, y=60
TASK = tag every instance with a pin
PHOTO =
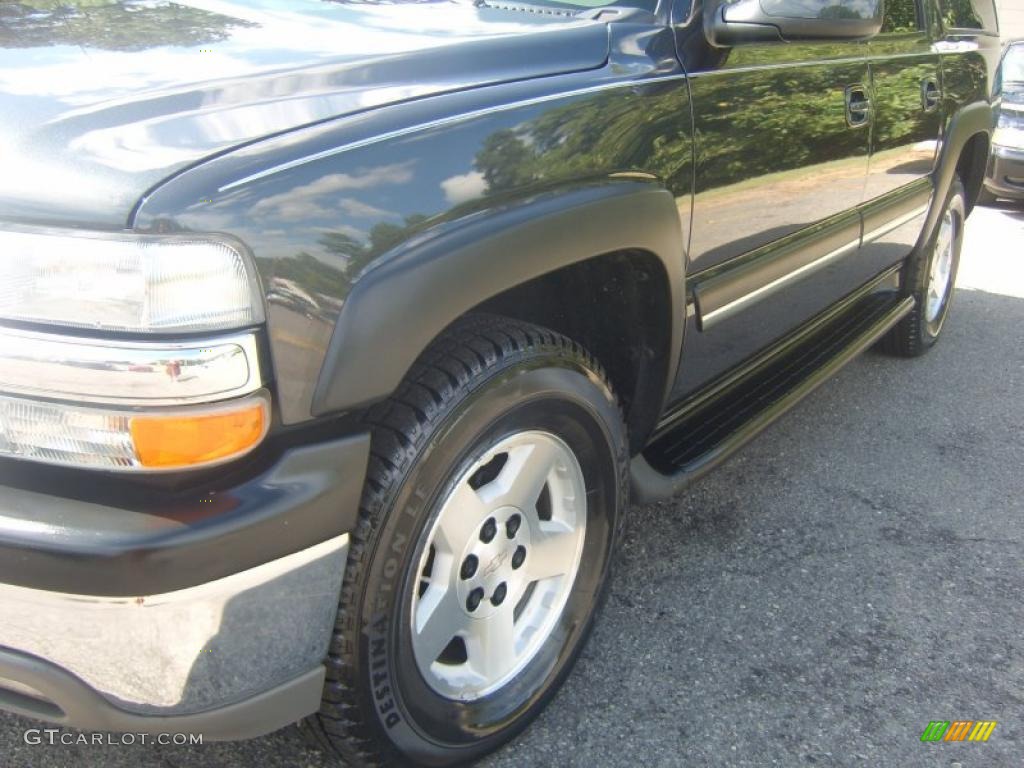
x=901, y=16
x=969, y=14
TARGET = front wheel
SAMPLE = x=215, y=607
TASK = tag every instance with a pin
x=930, y=276
x=497, y=481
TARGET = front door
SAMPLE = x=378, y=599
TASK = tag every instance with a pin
x=781, y=135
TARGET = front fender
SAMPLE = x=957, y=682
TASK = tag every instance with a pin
x=372, y=232
x=396, y=309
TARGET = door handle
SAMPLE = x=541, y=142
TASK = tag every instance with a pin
x=930, y=95
x=858, y=106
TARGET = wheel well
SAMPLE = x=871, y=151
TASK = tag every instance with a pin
x=970, y=166
x=616, y=305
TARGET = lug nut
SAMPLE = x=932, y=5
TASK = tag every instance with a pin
x=499, y=594
x=489, y=530
x=469, y=567
x=512, y=525
x=474, y=599
x=518, y=556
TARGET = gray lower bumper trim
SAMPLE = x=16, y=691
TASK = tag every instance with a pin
x=70, y=702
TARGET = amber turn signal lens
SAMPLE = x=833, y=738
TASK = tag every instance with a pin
x=183, y=440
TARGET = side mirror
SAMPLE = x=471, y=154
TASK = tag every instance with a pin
x=728, y=23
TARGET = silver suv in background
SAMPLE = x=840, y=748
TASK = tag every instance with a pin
x=1004, y=176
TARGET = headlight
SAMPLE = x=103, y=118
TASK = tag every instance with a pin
x=123, y=282
x=1009, y=130
x=155, y=402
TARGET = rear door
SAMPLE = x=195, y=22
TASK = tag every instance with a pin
x=907, y=97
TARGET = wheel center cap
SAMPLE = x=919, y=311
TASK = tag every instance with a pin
x=492, y=545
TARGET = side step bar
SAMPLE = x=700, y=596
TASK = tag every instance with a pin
x=706, y=435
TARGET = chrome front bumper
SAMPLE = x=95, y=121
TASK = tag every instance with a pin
x=181, y=652
x=175, y=610
x=1005, y=174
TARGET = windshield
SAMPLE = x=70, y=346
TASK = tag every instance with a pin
x=1013, y=64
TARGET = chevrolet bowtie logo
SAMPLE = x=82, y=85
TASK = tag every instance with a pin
x=495, y=563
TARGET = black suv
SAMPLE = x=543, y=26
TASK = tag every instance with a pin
x=336, y=336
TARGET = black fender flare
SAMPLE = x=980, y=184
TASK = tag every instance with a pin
x=398, y=306
x=966, y=122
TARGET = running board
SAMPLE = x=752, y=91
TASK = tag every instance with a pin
x=709, y=433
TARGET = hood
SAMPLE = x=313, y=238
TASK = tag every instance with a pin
x=102, y=99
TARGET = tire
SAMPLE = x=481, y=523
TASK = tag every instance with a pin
x=916, y=333
x=489, y=387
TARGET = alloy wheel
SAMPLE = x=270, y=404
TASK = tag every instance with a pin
x=940, y=272
x=500, y=560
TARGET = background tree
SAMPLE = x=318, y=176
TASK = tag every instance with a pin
x=115, y=25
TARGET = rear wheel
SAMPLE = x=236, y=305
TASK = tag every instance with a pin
x=496, y=484
x=930, y=276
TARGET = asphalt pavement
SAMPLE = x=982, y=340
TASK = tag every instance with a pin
x=850, y=576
